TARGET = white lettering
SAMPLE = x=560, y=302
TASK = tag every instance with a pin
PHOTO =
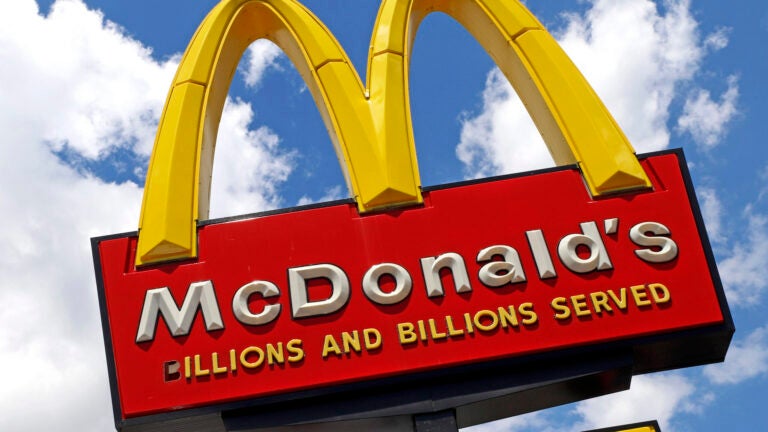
x=244, y=293
x=159, y=301
x=499, y=273
x=403, y=283
x=667, y=247
x=541, y=254
x=431, y=267
x=598, y=256
x=301, y=307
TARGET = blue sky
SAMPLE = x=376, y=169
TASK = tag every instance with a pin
x=82, y=84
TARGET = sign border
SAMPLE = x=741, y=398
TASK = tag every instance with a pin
x=634, y=356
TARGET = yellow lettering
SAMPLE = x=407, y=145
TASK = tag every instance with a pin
x=187, y=368
x=489, y=314
x=372, y=338
x=528, y=314
x=199, y=371
x=330, y=345
x=655, y=289
x=640, y=296
x=468, y=322
x=252, y=350
x=422, y=330
x=405, y=333
x=508, y=316
x=621, y=302
x=232, y=360
x=560, y=305
x=451, y=330
x=275, y=355
x=350, y=341
x=433, y=331
x=295, y=351
x=579, y=303
x=215, y=363
x=600, y=302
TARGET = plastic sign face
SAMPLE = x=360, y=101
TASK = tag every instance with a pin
x=603, y=257
x=497, y=269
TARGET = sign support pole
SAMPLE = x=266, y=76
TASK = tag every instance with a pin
x=442, y=421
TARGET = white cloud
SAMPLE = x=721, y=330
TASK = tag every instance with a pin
x=261, y=56
x=718, y=40
x=73, y=79
x=502, y=138
x=54, y=383
x=745, y=360
x=706, y=120
x=331, y=194
x=658, y=396
x=742, y=271
x=53, y=67
x=51, y=348
x=248, y=165
x=712, y=212
x=538, y=421
x=636, y=77
x=101, y=89
x=743, y=258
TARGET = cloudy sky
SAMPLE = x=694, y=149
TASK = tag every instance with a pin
x=82, y=83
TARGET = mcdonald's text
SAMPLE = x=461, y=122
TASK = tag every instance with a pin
x=388, y=284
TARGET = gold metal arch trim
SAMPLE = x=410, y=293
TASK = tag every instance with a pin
x=370, y=126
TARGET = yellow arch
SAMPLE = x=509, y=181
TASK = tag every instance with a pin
x=370, y=127
x=178, y=180
x=575, y=124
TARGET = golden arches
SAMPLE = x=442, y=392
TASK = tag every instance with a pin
x=370, y=127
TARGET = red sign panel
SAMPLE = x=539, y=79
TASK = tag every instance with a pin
x=483, y=271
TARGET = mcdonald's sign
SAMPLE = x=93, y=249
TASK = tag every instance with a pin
x=489, y=297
